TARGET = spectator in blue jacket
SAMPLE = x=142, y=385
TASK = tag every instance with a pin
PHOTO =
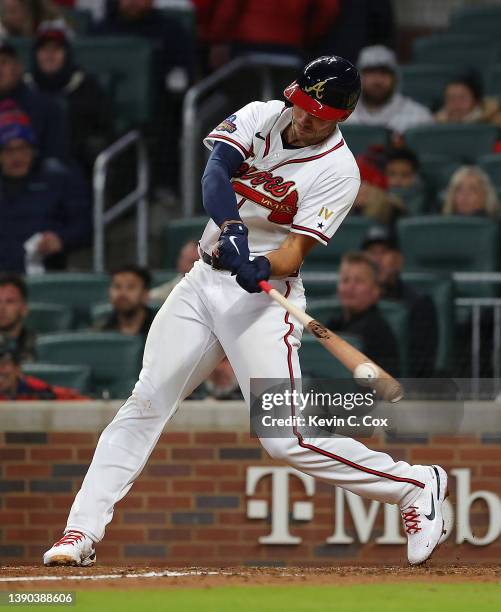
x=47, y=118
x=45, y=209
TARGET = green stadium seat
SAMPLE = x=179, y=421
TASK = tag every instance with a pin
x=45, y=318
x=78, y=19
x=317, y=362
x=441, y=291
x=74, y=376
x=436, y=171
x=491, y=164
x=115, y=359
x=125, y=64
x=481, y=20
x=318, y=289
x=467, y=51
x=348, y=237
x=450, y=244
x=462, y=143
x=425, y=83
x=360, y=137
x=177, y=233
x=397, y=317
x=76, y=290
x=492, y=81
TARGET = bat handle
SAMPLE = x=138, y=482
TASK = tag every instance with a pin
x=265, y=286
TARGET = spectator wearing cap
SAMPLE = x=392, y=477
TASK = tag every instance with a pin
x=380, y=103
x=13, y=313
x=88, y=108
x=129, y=295
x=382, y=247
x=47, y=118
x=373, y=198
x=14, y=385
x=45, y=209
x=464, y=103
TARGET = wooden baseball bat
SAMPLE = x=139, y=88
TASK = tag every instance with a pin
x=385, y=385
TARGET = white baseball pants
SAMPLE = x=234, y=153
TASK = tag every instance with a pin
x=206, y=316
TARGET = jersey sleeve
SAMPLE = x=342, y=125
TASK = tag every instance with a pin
x=323, y=209
x=237, y=130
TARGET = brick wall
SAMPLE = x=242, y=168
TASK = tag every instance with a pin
x=189, y=505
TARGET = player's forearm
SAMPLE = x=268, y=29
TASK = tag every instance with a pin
x=218, y=195
x=284, y=262
x=287, y=259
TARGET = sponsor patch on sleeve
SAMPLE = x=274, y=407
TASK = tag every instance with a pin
x=228, y=125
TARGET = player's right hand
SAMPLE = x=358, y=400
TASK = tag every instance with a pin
x=232, y=249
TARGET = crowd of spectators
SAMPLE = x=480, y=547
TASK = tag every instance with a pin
x=56, y=117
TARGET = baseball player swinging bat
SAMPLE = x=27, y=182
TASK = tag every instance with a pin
x=385, y=385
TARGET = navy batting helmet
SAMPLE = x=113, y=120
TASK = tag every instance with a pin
x=328, y=88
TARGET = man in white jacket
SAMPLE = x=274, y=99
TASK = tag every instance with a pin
x=380, y=103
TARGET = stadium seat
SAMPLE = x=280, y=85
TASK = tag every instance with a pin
x=45, y=318
x=360, y=137
x=440, y=289
x=397, y=317
x=76, y=290
x=78, y=19
x=323, y=309
x=481, y=20
x=491, y=164
x=113, y=358
x=462, y=143
x=426, y=83
x=467, y=51
x=177, y=233
x=450, y=244
x=317, y=362
x=347, y=238
x=318, y=289
x=74, y=376
x=126, y=65
x=436, y=171
x=492, y=81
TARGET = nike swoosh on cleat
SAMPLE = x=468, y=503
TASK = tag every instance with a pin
x=232, y=240
x=431, y=516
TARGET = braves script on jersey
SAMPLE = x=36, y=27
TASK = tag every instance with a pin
x=308, y=190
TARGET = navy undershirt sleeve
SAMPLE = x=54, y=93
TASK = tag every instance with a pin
x=218, y=195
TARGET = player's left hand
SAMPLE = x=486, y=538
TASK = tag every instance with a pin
x=232, y=249
x=249, y=274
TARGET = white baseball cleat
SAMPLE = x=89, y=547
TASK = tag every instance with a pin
x=74, y=548
x=423, y=518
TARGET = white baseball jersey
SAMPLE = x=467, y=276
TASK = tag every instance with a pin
x=307, y=190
